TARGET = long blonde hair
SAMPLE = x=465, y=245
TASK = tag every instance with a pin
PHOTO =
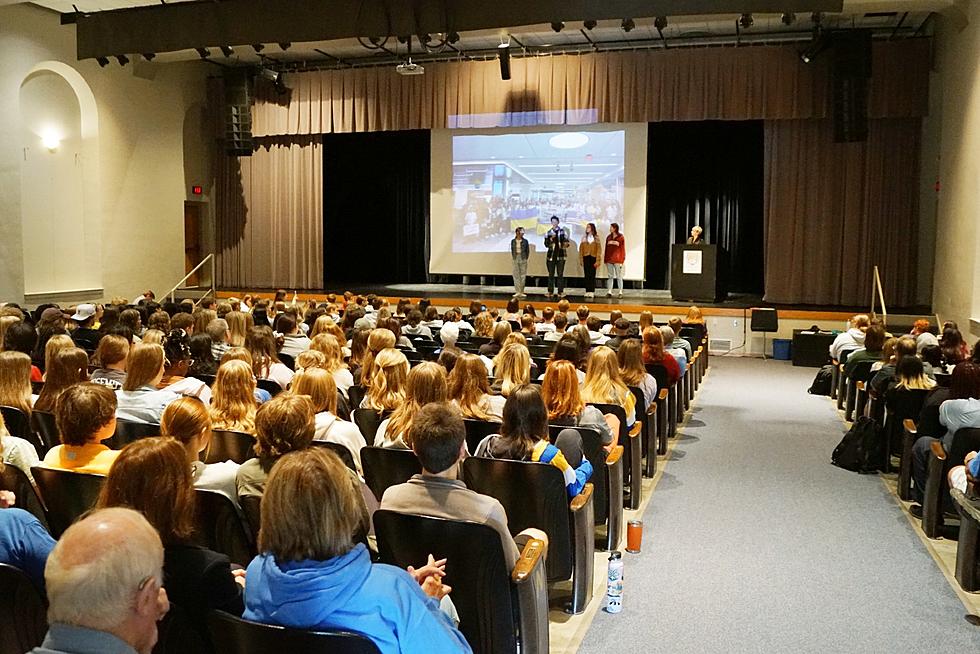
x=237, y=327
x=145, y=362
x=426, y=383
x=378, y=340
x=15, y=380
x=603, y=384
x=327, y=345
x=559, y=390
x=512, y=368
x=483, y=323
x=55, y=344
x=387, y=384
x=319, y=385
x=309, y=359
x=630, y=357
x=468, y=386
x=233, y=398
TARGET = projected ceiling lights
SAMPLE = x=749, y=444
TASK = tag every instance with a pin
x=568, y=141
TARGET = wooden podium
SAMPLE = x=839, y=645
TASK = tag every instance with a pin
x=694, y=273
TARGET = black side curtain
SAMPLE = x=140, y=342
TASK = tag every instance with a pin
x=376, y=207
x=707, y=173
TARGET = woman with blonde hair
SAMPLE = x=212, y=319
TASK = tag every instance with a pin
x=378, y=340
x=307, y=360
x=238, y=326
x=386, y=386
x=318, y=385
x=604, y=385
x=329, y=346
x=233, y=403
x=500, y=333
x=189, y=422
x=55, y=344
x=15, y=381
x=426, y=384
x=483, y=325
x=910, y=374
x=633, y=372
x=261, y=344
x=470, y=391
x=139, y=399
x=694, y=316
x=68, y=366
x=561, y=396
x=202, y=318
x=512, y=368
x=5, y=322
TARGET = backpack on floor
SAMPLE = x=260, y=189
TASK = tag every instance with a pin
x=861, y=449
x=821, y=383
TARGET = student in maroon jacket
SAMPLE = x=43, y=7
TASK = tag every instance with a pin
x=614, y=257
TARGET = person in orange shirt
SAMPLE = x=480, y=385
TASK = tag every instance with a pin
x=86, y=416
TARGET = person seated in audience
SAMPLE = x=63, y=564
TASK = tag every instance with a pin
x=455, y=317
x=141, y=399
x=86, y=416
x=16, y=451
x=151, y=475
x=619, y=334
x=68, y=367
x=594, y=325
x=923, y=337
x=131, y=318
x=415, y=326
x=933, y=356
x=569, y=348
x=887, y=352
x=483, y=325
x=177, y=352
x=608, y=329
x=604, y=385
x=448, y=335
x=431, y=318
x=238, y=325
x=318, y=385
x=284, y=424
x=233, y=401
x=644, y=320
x=104, y=581
x=333, y=361
x=427, y=383
x=392, y=325
x=51, y=323
x=581, y=334
x=386, y=386
x=469, y=389
x=83, y=334
x=960, y=411
x=188, y=421
x=438, y=437
x=111, y=358
x=633, y=372
x=310, y=359
x=561, y=395
x=15, y=381
x=220, y=334
x=529, y=330
x=512, y=368
x=56, y=344
x=904, y=347
x=655, y=354
x=153, y=337
x=159, y=320
x=377, y=340
x=524, y=437
x=500, y=333
x=676, y=325
x=294, y=341
x=185, y=321
x=694, y=316
x=21, y=337
x=6, y=322
x=852, y=339
x=24, y=542
x=203, y=361
x=261, y=344
x=260, y=315
x=547, y=323
x=671, y=348
x=561, y=323
x=953, y=347
x=448, y=357
x=313, y=573
x=512, y=312
x=966, y=478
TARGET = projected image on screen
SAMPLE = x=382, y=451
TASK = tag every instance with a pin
x=506, y=181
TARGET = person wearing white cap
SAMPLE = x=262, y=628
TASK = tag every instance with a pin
x=84, y=335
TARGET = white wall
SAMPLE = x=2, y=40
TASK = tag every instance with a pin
x=140, y=150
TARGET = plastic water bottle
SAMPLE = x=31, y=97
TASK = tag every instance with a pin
x=614, y=583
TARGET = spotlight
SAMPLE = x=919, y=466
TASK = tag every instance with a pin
x=203, y=52
x=122, y=59
x=103, y=61
x=745, y=20
x=628, y=25
x=590, y=24
x=269, y=74
x=814, y=47
x=284, y=45
x=558, y=26
x=503, y=51
x=258, y=47
x=149, y=56
x=660, y=22
x=454, y=37
x=227, y=51
x=788, y=18
x=280, y=85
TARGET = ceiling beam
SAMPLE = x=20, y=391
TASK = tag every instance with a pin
x=188, y=25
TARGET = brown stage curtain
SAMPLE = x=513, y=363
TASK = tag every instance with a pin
x=269, y=230
x=835, y=210
x=723, y=83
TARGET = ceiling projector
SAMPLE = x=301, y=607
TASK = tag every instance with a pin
x=410, y=68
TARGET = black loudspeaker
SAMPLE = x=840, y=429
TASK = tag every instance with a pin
x=850, y=75
x=504, y=52
x=238, y=113
x=765, y=320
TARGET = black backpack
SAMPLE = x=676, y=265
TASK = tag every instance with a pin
x=862, y=448
x=821, y=383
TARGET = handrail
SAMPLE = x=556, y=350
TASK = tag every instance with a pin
x=210, y=291
x=210, y=258
x=876, y=286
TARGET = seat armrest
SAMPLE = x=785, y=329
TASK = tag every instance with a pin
x=861, y=386
x=533, y=553
x=652, y=409
x=637, y=429
x=583, y=498
x=910, y=426
x=663, y=393
x=614, y=455
x=938, y=451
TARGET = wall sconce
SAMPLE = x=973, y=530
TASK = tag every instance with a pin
x=50, y=140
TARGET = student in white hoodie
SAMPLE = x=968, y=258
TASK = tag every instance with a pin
x=852, y=339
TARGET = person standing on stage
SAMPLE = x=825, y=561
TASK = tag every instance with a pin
x=556, y=240
x=519, y=252
x=615, y=256
x=695, y=238
x=588, y=251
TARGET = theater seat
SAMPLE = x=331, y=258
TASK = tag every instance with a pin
x=385, y=467
x=22, y=612
x=218, y=526
x=46, y=426
x=14, y=479
x=19, y=425
x=629, y=438
x=968, y=542
x=229, y=446
x=936, y=498
x=232, y=635
x=66, y=495
x=368, y=421
x=128, y=432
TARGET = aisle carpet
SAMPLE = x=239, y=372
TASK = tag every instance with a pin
x=754, y=542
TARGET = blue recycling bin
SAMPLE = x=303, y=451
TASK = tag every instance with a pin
x=782, y=349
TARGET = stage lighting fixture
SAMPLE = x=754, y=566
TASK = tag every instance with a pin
x=454, y=37
x=203, y=52
x=149, y=56
x=269, y=74
x=814, y=47
x=103, y=61
x=788, y=18
x=258, y=47
x=284, y=45
x=590, y=24
x=122, y=59
x=746, y=21
x=503, y=51
x=227, y=51
x=558, y=26
x=628, y=25
x=660, y=22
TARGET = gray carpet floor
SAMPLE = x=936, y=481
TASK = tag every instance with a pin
x=754, y=542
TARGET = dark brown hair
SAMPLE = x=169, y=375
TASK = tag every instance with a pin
x=82, y=410
x=437, y=434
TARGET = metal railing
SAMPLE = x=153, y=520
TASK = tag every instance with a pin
x=211, y=291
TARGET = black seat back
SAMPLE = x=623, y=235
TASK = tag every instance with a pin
x=16, y=481
x=207, y=379
x=219, y=527
x=233, y=635
x=368, y=421
x=355, y=394
x=272, y=387
x=46, y=428
x=477, y=430
x=229, y=446
x=905, y=403
x=343, y=408
x=22, y=612
x=128, y=432
x=384, y=467
x=340, y=450
x=659, y=373
x=288, y=360
x=252, y=508
x=591, y=450
x=474, y=562
x=533, y=495
x=177, y=634
x=862, y=371
x=19, y=425
x=66, y=494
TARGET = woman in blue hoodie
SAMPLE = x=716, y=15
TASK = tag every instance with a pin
x=313, y=574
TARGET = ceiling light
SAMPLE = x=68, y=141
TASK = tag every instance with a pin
x=204, y=53
x=660, y=22
x=590, y=24
x=568, y=140
x=149, y=56
x=503, y=51
x=122, y=59
x=788, y=18
x=258, y=47
x=103, y=61
x=50, y=139
x=746, y=21
x=284, y=45
x=269, y=74
x=558, y=26
x=628, y=24
x=227, y=51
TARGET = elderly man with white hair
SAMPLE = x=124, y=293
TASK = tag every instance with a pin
x=105, y=586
